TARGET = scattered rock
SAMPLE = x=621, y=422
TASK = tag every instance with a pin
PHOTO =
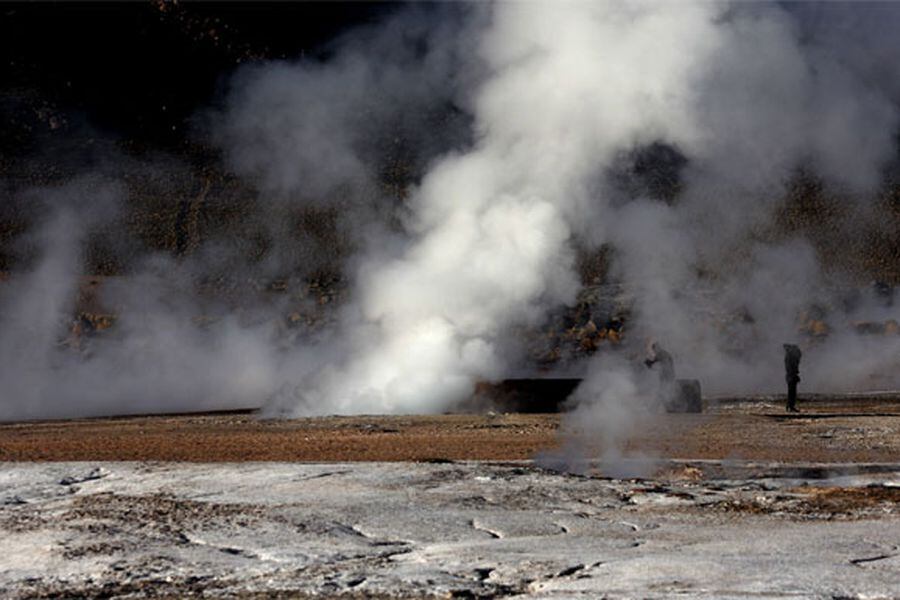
x=97, y=473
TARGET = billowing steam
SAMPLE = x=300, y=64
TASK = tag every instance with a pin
x=551, y=107
x=155, y=361
x=737, y=90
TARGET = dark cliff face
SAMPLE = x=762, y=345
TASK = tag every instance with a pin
x=114, y=89
x=138, y=71
x=109, y=88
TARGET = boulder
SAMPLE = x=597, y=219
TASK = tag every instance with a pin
x=685, y=397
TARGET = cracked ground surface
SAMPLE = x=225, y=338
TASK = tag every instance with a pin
x=467, y=529
x=747, y=502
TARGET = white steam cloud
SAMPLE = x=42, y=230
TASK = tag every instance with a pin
x=156, y=360
x=569, y=88
x=548, y=101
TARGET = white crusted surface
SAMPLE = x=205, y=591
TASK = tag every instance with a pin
x=131, y=529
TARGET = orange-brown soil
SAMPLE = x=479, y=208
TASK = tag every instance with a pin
x=826, y=431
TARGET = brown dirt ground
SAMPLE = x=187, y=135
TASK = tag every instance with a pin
x=826, y=431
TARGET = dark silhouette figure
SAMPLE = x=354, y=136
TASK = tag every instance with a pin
x=665, y=394
x=666, y=364
x=792, y=355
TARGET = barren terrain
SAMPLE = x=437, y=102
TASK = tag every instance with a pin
x=741, y=501
x=829, y=429
x=461, y=529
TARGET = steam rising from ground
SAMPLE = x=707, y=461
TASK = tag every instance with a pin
x=155, y=361
x=551, y=103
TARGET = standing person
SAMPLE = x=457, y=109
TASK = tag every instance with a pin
x=792, y=355
x=666, y=364
x=659, y=356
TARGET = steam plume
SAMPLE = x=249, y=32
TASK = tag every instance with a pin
x=740, y=91
x=521, y=124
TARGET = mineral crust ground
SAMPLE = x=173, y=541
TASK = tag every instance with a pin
x=743, y=501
